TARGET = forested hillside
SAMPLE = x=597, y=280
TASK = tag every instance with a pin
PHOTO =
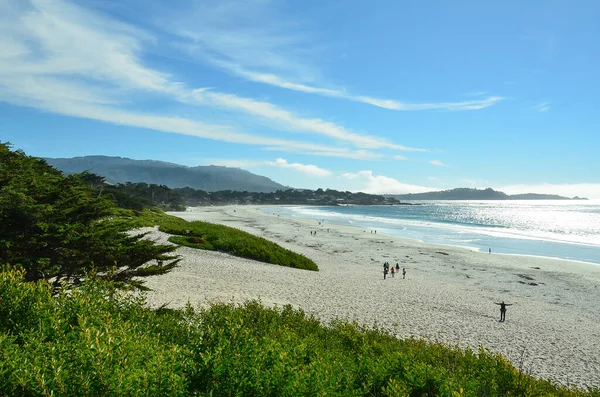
x=209, y=178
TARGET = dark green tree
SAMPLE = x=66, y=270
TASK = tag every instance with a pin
x=58, y=228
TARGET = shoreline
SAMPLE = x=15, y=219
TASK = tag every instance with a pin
x=472, y=248
x=448, y=296
x=433, y=245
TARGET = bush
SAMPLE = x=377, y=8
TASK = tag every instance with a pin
x=99, y=341
x=209, y=236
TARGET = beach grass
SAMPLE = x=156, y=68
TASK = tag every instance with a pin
x=209, y=236
x=96, y=340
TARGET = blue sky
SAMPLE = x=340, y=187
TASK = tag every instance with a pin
x=376, y=96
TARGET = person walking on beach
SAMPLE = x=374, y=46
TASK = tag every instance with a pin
x=397, y=267
x=385, y=272
x=392, y=271
x=403, y=272
x=490, y=250
x=503, y=310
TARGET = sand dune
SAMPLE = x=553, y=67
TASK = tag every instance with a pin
x=551, y=331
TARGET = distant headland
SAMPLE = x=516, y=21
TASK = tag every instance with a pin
x=479, y=194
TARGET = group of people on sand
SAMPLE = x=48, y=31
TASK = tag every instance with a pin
x=387, y=268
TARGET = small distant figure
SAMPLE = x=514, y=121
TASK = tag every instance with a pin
x=159, y=262
x=490, y=250
x=503, y=310
x=397, y=267
x=393, y=271
x=385, y=272
x=403, y=272
x=375, y=231
x=327, y=230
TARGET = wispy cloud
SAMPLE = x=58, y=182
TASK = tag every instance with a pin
x=437, y=163
x=542, y=106
x=278, y=81
x=331, y=152
x=399, y=157
x=308, y=169
x=463, y=105
x=380, y=184
x=259, y=42
x=100, y=75
x=286, y=118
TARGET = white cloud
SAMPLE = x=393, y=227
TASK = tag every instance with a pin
x=399, y=157
x=437, y=163
x=260, y=43
x=61, y=58
x=329, y=152
x=588, y=190
x=463, y=105
x=542, y=106
x=309, y=169
x=288, y=119
x=253, y=33
x=380, y=184
x=271, y=79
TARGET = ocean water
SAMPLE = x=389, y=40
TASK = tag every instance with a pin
x=558, y=229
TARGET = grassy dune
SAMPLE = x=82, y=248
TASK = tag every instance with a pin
x=209, y=236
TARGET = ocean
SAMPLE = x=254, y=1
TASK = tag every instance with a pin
x=557, y=229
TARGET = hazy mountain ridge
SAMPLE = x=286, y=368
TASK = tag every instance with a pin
x=208, y=178
x=479, y=194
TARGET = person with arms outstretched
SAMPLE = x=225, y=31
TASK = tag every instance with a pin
x=503, y=310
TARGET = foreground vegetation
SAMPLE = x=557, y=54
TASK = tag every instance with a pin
x=210, y=236
x=97, y=341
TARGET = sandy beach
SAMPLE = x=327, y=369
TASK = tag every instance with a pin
x=552, y=330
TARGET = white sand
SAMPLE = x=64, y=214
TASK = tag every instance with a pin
x=552, y=330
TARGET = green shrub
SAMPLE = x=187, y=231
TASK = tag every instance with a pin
x=98, y=341
x=210, y=236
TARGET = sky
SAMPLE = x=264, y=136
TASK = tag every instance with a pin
x=374, y=96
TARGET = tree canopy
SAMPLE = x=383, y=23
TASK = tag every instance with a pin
x=59, y=228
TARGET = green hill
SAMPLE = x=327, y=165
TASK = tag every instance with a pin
x=208, y=178
x=478, y=194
